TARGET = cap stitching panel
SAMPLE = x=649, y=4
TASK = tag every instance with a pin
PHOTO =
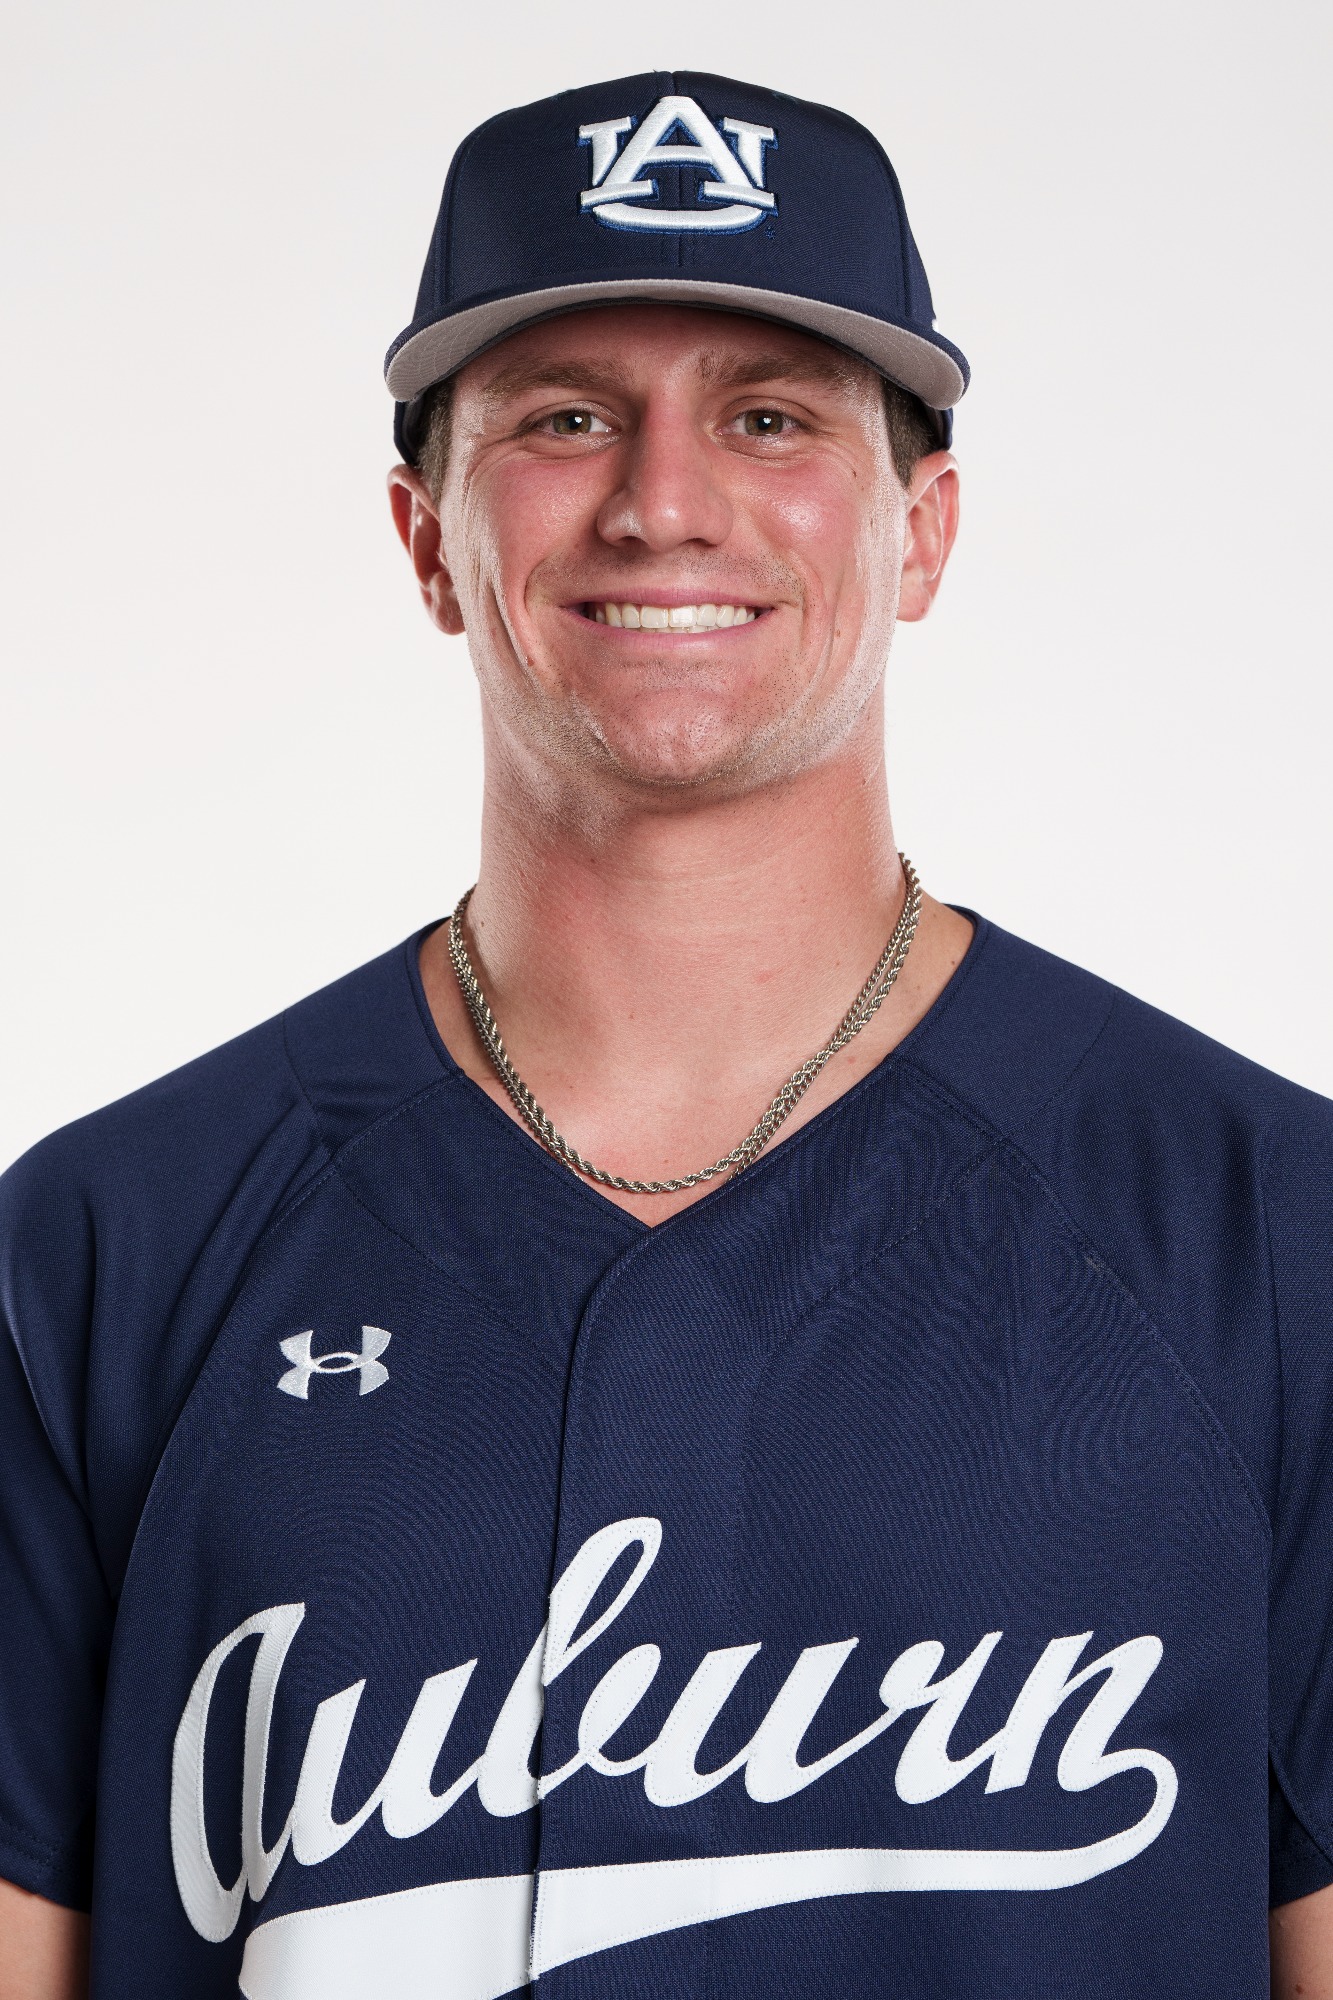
x=900, y=209
x=447, y=219
x=679, y=233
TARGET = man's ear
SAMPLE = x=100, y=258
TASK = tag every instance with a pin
x=418, y=523
x=932, y=523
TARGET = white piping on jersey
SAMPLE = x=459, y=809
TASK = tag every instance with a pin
x=583, y=1907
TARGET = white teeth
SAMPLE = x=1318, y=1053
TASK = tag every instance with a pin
x=675, y=618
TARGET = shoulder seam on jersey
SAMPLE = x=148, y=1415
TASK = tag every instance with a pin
x=487, y=1306
x=1009, y=1143
x=80, y=1499
x=390, y=1111
x=333, y=1171
x=610, y=1277
x=333, y=1154
x=299, y=1081
x=1114, y=998
x=1187, y=1381
x=291, y=1207
x=883, y=1251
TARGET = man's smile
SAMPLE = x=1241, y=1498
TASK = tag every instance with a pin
x=706, y=617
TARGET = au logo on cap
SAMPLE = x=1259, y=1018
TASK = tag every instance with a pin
x=734, y=197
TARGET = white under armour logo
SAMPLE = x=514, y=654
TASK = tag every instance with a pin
x=617, y=189
x=374, y=1374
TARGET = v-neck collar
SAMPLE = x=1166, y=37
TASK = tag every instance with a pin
x=769, y=1160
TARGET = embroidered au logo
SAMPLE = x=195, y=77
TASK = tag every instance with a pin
x=373, y=1373
x=677, y=133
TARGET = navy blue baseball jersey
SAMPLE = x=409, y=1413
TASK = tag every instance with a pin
x=905, y=1571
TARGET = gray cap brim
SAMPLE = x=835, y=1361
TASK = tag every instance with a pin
x=925, y=366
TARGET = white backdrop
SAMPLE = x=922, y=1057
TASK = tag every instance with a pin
x=236, y=761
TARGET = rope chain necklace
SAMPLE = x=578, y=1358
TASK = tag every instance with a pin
x=862, y=1010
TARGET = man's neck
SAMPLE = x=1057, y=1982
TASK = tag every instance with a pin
x=659, y=974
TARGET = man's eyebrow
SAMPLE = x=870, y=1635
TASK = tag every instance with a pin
x=722, y=371
x=744, y=370
x=576, y=375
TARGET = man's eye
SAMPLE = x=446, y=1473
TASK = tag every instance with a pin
x=764, y=423
x=576, y=424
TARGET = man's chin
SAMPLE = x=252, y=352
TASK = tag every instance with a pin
x=685, y=757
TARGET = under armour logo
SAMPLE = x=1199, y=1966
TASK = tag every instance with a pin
x=736, y=178
x=374, y=1374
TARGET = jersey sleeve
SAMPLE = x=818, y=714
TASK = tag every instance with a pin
x=121, y=1239
x=1298, y=1188
x=55, y=1605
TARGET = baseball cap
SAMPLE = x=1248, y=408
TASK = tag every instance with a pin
x=674, y=187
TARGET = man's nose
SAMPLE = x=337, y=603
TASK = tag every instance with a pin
x=671, y=491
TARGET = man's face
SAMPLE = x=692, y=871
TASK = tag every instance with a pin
x=675, y=539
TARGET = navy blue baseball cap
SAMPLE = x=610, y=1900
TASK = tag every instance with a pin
x=674, y=188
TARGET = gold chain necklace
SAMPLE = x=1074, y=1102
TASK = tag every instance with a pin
x=862, y=1010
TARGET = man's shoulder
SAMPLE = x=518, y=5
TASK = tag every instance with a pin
x=124, y=1234
x=137, y=1144
x=1040, y=1046
x=322, y=1068
x=1199, y=1180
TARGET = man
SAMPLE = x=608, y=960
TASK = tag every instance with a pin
x=486, y=1500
